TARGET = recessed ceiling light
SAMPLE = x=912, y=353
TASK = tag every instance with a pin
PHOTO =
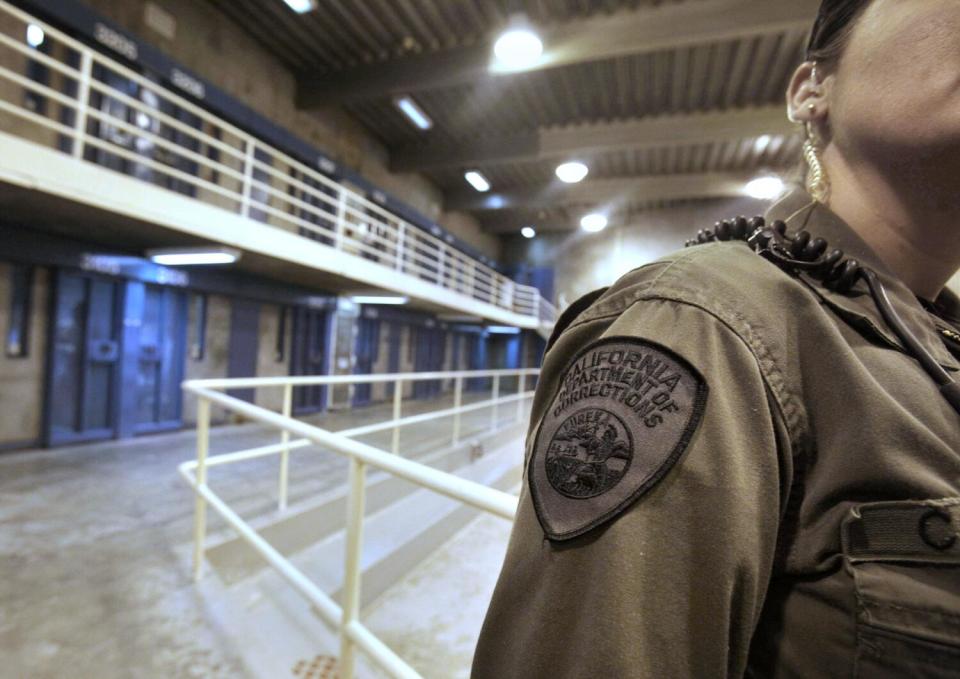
x=593, y=222
x=528, y=232
x=379, y=299
x=193, y=256
x=416, y=114
x=517, y=48
x=572, y=172
x=35, y=35
x=764, y=188
x=477, y=181
x=301, y=6
x=762, y=142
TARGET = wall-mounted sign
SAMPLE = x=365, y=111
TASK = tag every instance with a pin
x=187, y=83
x=112, y=39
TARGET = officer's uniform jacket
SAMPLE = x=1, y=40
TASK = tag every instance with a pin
x=808, y=526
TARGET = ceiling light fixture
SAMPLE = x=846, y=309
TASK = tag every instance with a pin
x=416, y=114
x=379, y=299
x=477, y=181
x=528, y=232
x=593, y=222
x=193, y=256
x=572, y=172
x=301, y=6
x=764, y=188
x=35, y=35
x=518, y=47
x=502, y=330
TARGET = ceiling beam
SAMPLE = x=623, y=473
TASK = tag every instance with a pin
x=580, y=140
x=668, y=26
x=606, y=193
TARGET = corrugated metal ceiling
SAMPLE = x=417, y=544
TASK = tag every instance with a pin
x=722, y=76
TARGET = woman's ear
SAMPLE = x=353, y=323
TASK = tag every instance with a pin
x=806, y=96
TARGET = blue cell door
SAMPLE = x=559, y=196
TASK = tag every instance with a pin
x=475, y=348
x=428, y=357
x=160, y=353
x=83, y=371
x=366, y=352
x=309, y=357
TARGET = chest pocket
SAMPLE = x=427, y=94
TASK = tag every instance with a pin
x=905, y=561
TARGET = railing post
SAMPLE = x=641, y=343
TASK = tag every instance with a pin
x=83, y=102
x=248, y=177
x=285, y=453
x=341, y=218
x=200, y=505
x=401, y=235
x=496, y=397
x=440, y=258
x=457, y=403
x=351, y=573
x=397, y=404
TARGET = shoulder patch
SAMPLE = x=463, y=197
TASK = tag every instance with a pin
x=624, y=413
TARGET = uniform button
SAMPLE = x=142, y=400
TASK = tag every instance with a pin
x=936, y=529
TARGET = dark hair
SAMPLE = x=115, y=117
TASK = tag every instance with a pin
x=831, y=32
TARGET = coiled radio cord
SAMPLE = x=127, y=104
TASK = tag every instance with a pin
x=804, y=253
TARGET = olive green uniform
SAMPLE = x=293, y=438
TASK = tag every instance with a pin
x=808, y=526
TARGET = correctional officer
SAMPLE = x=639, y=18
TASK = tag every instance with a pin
x=744, y=458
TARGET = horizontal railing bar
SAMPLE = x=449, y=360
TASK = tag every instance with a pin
x=469, y=492
x=308, y=380
x=37, y=55
x=113, y=147
x=254, y=453
x=36, y=118
x=137, y=105
x=379, y=651
x=432, y=415
x=327, y=607
x=37, y=87
x=173, y=147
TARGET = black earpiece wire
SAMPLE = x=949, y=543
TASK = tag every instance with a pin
x=804, y=253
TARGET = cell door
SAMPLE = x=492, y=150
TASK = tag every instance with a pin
x=308, y=356
x=160, y=358
x=83, y=374
x=430, y=350
x=366, y=351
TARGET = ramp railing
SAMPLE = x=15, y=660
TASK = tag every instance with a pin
x=57, y=92
x=345, y=617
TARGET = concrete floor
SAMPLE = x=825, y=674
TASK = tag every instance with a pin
x=95, y=578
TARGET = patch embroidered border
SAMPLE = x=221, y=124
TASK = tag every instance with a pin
x=625, y=411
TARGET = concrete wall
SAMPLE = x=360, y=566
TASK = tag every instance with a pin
x=214, y=361
x=267, y=363
x=586, y=261
x=211, y=45
x=21, y=379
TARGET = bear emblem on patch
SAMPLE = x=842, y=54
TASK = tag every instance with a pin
x=624, y=412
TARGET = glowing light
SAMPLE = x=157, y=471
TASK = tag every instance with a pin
x=502, y=330
x=762, y=142
x=517, y=48
x=300, y=6
x=477, y=181
x=764, y=188
x=35, y=35
x=416, y=114
x=193, y=256
x=378, y=299
x=528, y=232
x=593, y=222
x=572, y=172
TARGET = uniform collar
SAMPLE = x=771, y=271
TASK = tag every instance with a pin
x=857, y=308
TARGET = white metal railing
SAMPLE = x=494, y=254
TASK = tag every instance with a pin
x=73, y=98
x=345, y=618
